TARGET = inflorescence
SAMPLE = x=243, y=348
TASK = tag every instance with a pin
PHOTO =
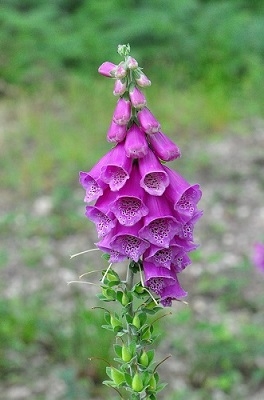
x=143, y=211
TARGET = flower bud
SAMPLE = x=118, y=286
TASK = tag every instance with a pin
x=163, y=147
x=107, y=69
x=152, y=384
x=121, y=70
x=124, y=299
x=126, y=354
x=137, y=98
x=132, y=63
x=137, y=384
x=119, y=88
x=115, y=323
x=122, y=112
x=116, y=133
x=141, y=79
x=117, y=376
x=143, y=359
x=136, y=321
x=147, y=121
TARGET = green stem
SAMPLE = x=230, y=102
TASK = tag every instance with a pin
x=129, y=285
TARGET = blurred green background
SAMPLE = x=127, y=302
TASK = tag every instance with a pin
x=205, y=59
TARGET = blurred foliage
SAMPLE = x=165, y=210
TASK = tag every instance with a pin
x=215, y=40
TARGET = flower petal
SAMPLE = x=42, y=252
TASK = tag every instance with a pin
x=136, y=145
x=147, y=121
x=154, y=178
x=163, y=147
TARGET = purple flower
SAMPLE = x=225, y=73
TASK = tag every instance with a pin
x=154, y=179
x=129, y=206
x=137, y=98
x=163, y=147
x=160, y=257
x=184, y=196
x=147, y=121
x=115, y=256
x=103, y=222
x=117, y=170
x=126, y=241
x=172, y=292
x=258, y=256
x=122, y=112
x=136, y=145
x=120, y=87
x=160, y=225
x=92, y=184
x=187, y=229
x=116, y=133
x=107, y=69
x=157, y=278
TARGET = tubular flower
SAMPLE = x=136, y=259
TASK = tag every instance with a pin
x=137, y=98
x=136, y=145
x=163, y=147
x=122, y=113
x=147, y=121
x=143, y=210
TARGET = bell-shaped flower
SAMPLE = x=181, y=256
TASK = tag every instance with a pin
x=126, y=241
x=92, y=184
x=103, y=222
x=120, y=87
x=154, y=179
x=121, y=70
x=141, y=79
x=172, y=292
x=131, y=63
x=159, y=225
x=184, y=244
x=122, y=112
x=183, y=195
x=187, y=229
x=117, y=170
x=116, y=133
x=159, y=257
x=157, y=278
x=129, y=207
x=147, y=121
x=115, y=256
x=180, y=261
x=136, y=145
x=163, y=147
x=162, y=257
x=137, y=98
x=107, y=69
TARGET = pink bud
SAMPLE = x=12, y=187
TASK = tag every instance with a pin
x=120, y=87
x=122, y=112
x=147, y=121
x=163, y=147
x=107, y=69
x=132, y=63
x=141, y=79
x=116, y=133
x=121, y=70
x=137, y=98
